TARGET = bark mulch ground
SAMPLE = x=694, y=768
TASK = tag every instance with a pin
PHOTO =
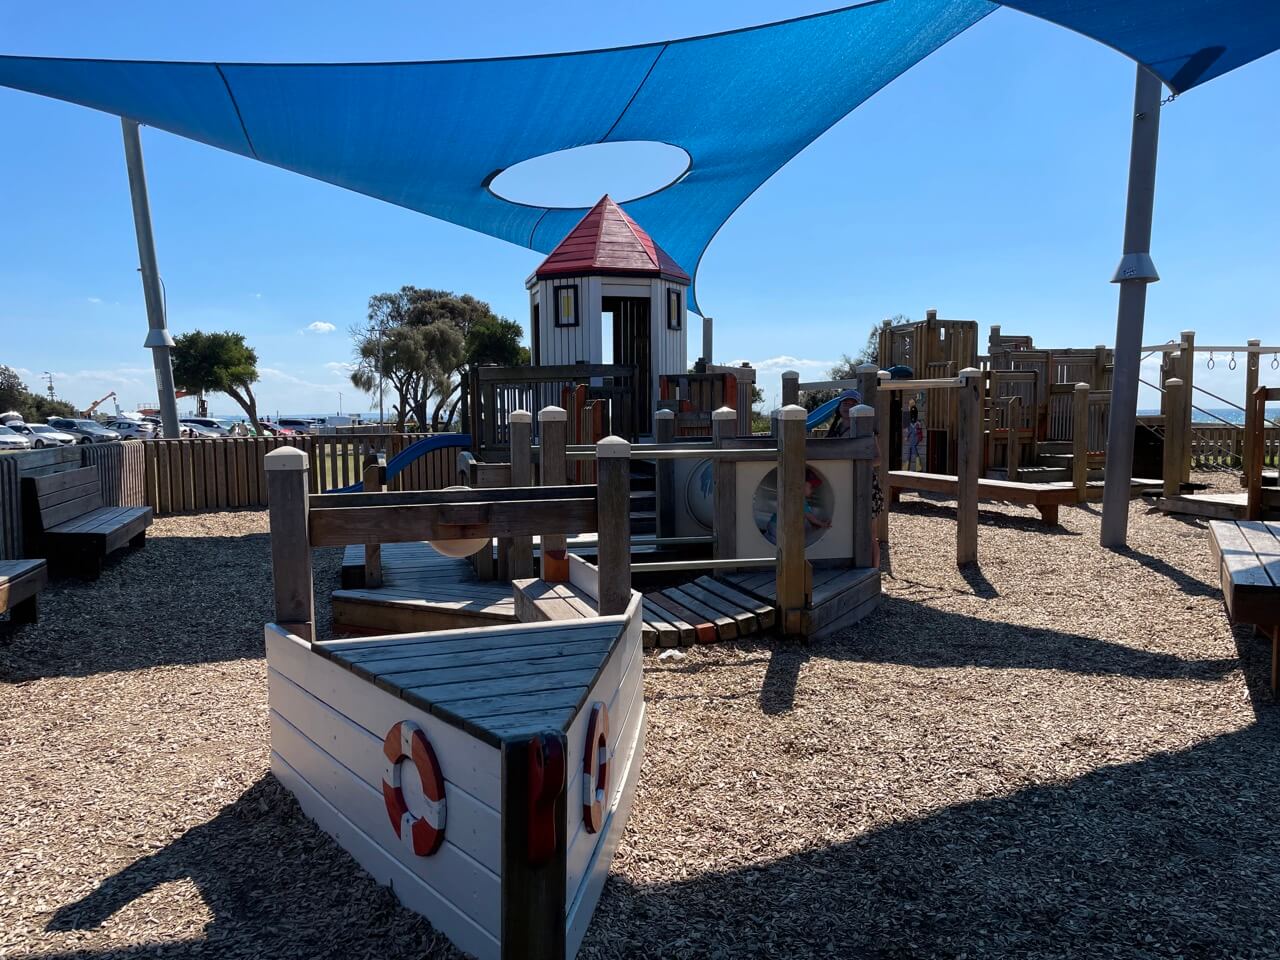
x=1064, y=753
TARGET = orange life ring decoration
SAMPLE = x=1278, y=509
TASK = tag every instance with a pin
x=423, y=835
x=595, y=769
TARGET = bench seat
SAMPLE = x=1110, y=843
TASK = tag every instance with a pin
x=1045, y=497
x=66, y=521
x=20, y=583
x=1248, y=557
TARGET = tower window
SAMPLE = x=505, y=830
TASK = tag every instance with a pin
x=566, y=306
x=675, y=315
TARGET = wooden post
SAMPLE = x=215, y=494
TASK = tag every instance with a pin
x=371, y=482
x=884, y=400
x=520, y=554
x=1174, y=438
x=1251, y=363
x=1188, y=398
x=664, y=431
x=724, y=426
x=864, y=424
x=792, y=576
x=286, y=471
x=1080, y=440
x=553, y=428
x=968, y=459
x=790, y=388
x=867, y=382
x=613, y=511
x=1013, y=418
x=1254, y=442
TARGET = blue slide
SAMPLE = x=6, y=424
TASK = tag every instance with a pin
x=411, y=453
x=823, y=412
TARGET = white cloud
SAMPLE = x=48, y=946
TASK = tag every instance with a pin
x=776, y=366
x=342, y=368
x=94, y=299
x=320, y=326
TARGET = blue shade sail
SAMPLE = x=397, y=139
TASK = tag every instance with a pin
x=1183, y=42
x=430, y=136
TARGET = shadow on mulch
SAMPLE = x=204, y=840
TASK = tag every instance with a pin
x=1176, y=855
x=275, y=884
x=939, y=639
x=181, y=600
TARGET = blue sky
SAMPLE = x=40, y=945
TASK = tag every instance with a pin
x=988, y=182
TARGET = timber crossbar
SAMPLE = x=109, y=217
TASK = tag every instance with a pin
x=934, y=383
x=336, y=526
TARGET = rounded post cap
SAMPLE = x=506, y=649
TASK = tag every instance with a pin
x=664, y=415
x=1083, y=386
x=552, y=414
x=970, y=372
x=867, y=367
x=790, y=375
x=1254, y=343
x=863, y=410
x=884, y=375
x=612, y=447
x=724, y=413
x=1173, y=381
x=521, y=416
x=792, y=411
x=286, y=458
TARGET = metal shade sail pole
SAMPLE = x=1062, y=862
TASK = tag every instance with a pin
x=1136, y=270
x=158, y=339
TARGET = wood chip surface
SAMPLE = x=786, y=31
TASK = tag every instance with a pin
x=1068, y=753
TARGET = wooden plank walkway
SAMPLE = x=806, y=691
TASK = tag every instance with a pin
x=1220, y=506
x=421, y=590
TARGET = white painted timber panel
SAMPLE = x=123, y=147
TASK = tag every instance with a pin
x=473, y=826
x=583, y=906
x=385, y=869
x=470, y=763
x=462, y=882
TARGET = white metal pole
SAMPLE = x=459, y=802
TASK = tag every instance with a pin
x=158, y=339
x=1136, y=270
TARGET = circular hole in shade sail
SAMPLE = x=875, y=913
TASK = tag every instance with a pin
x=580, y=176
x=819, y=506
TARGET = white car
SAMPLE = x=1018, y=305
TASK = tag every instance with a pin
x=206, y=425
x=42, y=435
x=131, y=429
x=10, y=439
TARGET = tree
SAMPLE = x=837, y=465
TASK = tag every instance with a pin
x=218, y=363
x=32, y=407
x=418, y=340
x=846, y=368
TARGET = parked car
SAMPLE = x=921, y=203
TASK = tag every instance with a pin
x=297, y=424
x=41, y=434
x=219, y=428
x=10, y=439
x=85, y=431
x=198, y=431
x=132, y=429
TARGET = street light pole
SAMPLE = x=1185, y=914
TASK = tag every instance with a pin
x=1136, y=270
x=158, y=341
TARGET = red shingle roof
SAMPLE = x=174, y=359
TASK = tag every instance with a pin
x=606, y=240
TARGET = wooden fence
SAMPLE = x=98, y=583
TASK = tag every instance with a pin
x=176, y=476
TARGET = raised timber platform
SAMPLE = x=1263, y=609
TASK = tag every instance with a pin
x=1220, y=506
x=841, y=595
x=421, y=590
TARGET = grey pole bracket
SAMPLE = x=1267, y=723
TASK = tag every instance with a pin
x=1136, y=266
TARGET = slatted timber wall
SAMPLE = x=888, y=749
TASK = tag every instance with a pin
x=15, y=466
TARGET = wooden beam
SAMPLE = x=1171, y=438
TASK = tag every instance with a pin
x=792, y=595
x=883, y=402
x=371, y=482
x=790, y=388
x=1251, y=361
x=1254, y=442
x=969, y=458
x=724, y=522
x=613, y=560
x=453, y=521
x=1080, y=440
x=520, y=555
x=420, y=498
x=1173, y=437
x=287, y=477
x=664, y=432
x=553, y=428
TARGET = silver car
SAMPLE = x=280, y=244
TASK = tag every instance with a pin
x=10, y=439
x=85, y=431
x=42, y=435
x=132, y=429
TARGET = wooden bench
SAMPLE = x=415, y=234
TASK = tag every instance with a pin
x=65, y=521
x=20, y=582
x=1045, y=497
x=1248, y=556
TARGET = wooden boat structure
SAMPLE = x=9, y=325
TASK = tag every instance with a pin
x=479, y=752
